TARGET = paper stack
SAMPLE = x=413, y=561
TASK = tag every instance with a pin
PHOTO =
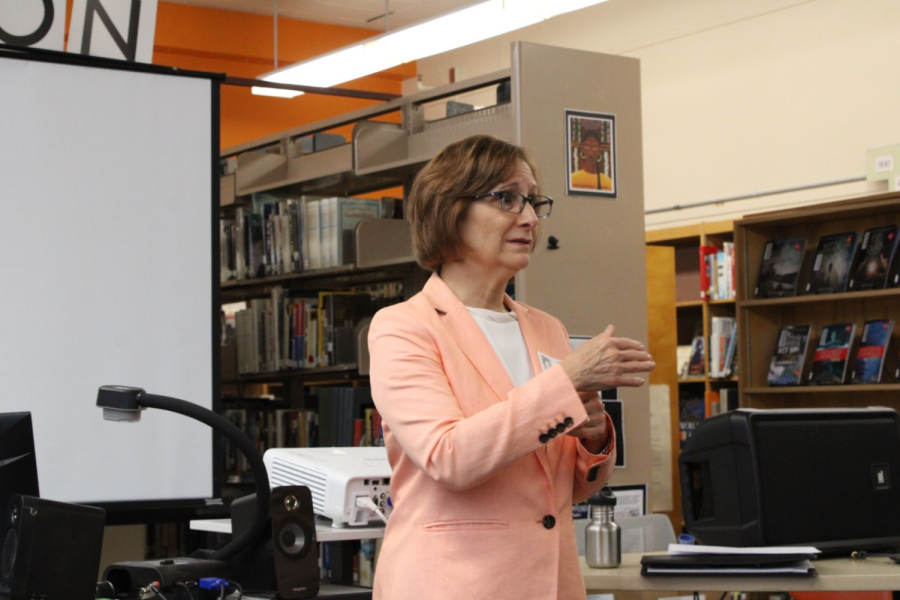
x=727, y=561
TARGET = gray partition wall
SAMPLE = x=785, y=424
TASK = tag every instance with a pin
x=597, y=276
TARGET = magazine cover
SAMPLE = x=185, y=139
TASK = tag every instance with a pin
x=789, y=358
x=780, y=268
x=876, y=252
x=831, y=269
x=832, y=354
x=876, y=337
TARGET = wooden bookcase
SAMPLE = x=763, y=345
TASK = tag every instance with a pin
x=676, y=312
x=759, y=319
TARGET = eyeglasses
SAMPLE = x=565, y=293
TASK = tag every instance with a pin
x=514, y=202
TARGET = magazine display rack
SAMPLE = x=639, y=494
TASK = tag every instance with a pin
x=760, y=319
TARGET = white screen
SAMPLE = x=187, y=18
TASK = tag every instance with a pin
x=106, y=274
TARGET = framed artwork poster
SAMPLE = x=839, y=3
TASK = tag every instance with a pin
x=591, y=154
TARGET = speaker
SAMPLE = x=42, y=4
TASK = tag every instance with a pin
x=294, y=540
x=828, y=478
x=51, y=550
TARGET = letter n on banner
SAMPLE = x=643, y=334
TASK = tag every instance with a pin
x=122, y=29
x=33, y=23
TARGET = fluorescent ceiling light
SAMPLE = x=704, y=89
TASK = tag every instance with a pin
x=448, y=32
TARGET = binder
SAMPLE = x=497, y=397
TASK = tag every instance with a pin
x=795, y=565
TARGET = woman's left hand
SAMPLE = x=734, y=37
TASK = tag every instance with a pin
x=595, y=427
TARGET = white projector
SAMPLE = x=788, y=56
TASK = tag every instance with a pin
x=348, y=485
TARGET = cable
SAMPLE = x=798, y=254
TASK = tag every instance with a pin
x=239, y=438
x=240, y=590
x=187, y=589
x=366, y=502
x=152, y=587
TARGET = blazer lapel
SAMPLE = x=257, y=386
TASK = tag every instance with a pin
x=468, y=335
x=536, y=341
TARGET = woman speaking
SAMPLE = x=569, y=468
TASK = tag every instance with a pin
x=493, y=425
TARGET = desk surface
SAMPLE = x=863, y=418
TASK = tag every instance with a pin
x=835, y=574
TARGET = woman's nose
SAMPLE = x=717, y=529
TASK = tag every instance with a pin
x=528, y=217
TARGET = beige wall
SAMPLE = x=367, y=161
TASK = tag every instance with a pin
x=740, y=97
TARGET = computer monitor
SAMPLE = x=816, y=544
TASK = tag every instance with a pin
x=18, y=465
x=828, y=478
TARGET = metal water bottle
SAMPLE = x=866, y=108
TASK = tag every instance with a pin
x=602, y=537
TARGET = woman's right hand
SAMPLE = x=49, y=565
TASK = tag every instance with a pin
x=606, y=362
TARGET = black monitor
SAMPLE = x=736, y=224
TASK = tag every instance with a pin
x=828, y=478
x=18, y=466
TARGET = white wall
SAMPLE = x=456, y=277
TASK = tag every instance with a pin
x=740, y=97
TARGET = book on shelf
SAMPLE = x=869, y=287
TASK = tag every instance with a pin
x=729, y=399
x=683, y=359
x=873, y=348
x=312, y=230
x=894, y=272
x=343, y=415
x=897, y=363
x=276, y=333
x=729, y=367
x=707, y=271
x=877, y=250
x=722, y=339
x=691, y=410
x=340, y=217
x=780, y=268
x=697, y=364
x=832, y=356
x=339, y=312
x=262, y=239
x=256, y=265
x=711, y=403
x=268, y=428
x=831, y=268
x=725, y=289
x=791, y=355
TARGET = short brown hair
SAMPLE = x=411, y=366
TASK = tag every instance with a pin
x=438, y=198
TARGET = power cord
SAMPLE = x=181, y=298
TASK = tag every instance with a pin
x=366, y=502
x=863, y=555
x=186, y=588
x=153, y=587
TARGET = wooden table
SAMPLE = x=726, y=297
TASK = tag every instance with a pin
x=835, y=574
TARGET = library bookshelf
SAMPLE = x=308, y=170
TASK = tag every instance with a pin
x=760, y=319
x=678, y=314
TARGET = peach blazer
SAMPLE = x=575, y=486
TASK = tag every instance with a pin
x=482, y=499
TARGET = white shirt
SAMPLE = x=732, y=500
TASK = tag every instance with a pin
x=505, y=336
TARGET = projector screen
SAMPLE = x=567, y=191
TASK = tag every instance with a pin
x=107, y=237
